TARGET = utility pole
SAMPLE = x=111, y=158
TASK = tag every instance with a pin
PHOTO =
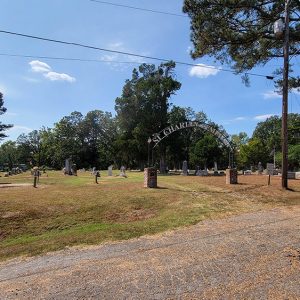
x=284, y=131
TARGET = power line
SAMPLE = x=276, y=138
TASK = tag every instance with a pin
x=140, y=8
x=127, y=53
x=70, y=58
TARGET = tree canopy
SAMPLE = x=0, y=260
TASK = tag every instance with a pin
x=3, y=127
x=240, y=32
x=142, y=109
x=98, y=139
x=265, y=143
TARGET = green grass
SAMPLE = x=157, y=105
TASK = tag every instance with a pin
x=65, y=210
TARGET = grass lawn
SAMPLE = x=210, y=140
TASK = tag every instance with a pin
x=66, y=210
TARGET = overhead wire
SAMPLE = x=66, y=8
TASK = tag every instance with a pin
x=139, y=8
x=70, y=58
x=270, y=77
x=168, y=13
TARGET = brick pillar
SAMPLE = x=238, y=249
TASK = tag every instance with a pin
x=150, y=178
x=231, y=176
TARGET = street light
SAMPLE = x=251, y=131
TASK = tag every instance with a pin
x=149, y=142
x=279, y=29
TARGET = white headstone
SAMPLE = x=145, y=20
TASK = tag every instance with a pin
x=185, y=168
x=215, y=166
x=123, y=172
x=110, y=171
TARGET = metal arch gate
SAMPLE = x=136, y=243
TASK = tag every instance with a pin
x=158, y=137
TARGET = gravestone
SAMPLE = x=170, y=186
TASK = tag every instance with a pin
x=36, y=176
x=93, y=171
x=110, y=168
x=215, y=166
x=68, y=166
x=270, y=169
x=123, y=172
x=203, y=173
x=74, y=170
x=197, y=171
x=97, y=175
x=184, y=168
x=260, y=168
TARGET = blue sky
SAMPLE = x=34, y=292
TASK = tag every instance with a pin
x=39, y=92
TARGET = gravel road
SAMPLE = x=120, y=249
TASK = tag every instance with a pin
x=250, y=256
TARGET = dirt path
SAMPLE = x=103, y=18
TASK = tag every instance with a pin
x=251, y=256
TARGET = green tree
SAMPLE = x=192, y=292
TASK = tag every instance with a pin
x=241, y=32
x=206, y=151
x=252, y=153
x=3, y=127
x=239, y=139
x=178, y=144
x=99, y=131
x=9, y=155
x=294, y=157
x=31, y=147
x=142, y=110
x=68, y=139
x=269, y=131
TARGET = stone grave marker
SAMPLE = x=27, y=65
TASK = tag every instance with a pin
x=68, y=166
x=123, y=172
x=185, y=168
x=260, y=168
x=215, y=166
x=110, y=168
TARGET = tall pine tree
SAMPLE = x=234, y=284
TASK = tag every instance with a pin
x=3, y=127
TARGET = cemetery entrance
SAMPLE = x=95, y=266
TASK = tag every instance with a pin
x=156, y=138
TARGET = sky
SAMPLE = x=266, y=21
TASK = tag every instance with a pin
x=40, y=91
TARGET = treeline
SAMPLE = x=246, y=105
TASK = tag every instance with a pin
x=99, y=139
x=265, y=144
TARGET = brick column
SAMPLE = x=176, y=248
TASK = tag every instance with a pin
x=150, y=178
x=231, y=176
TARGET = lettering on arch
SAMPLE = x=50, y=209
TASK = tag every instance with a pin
x=158, y=137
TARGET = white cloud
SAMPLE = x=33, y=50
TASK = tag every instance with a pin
x=203, y=71
x=11, y=114
x=295, y=91
x=3, y=89
x=39, y=67
x=271, y=95
x=263, y=117
x=237, y=119
x=31, y=80
x=20, y=128
x=114, y=60
x=189, y=49
x=240, y=119
x=53, y=76
x=116, y=46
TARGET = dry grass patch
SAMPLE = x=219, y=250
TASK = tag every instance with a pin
x=65, y=211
